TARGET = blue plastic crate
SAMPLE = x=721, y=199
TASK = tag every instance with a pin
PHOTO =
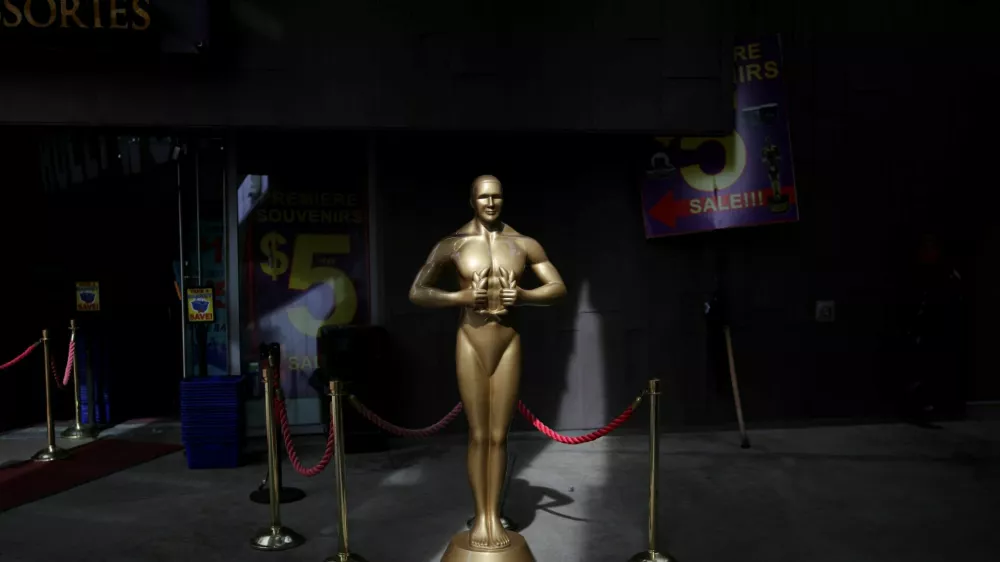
x=212, y=421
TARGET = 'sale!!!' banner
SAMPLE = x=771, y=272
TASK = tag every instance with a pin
x=695, y=184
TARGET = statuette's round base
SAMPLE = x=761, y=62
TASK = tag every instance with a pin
x=460, y=551
x=778, y=203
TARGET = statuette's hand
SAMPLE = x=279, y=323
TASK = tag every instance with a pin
x=509, y=289
x=480, y=279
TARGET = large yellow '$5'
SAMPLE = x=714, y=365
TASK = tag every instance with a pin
x=305, y=274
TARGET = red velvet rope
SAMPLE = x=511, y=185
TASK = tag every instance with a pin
x=592, y=436
x=69, y=363
x=286, y=433
x=68, y=373
x=402, y=431
x=20, y=357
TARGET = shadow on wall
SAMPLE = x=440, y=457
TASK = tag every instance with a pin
x=586, y=358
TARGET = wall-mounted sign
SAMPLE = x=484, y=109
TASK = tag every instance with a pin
x=170, y=26
x=200, y=304
x=95, y=15
x=88, y=296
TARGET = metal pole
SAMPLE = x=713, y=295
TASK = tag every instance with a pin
x=91, y=391
x=224, y=243
x=181, y=281
x=78, y=430
x=744, y=440
x=197, y=215
x=651, y=554
x=272, y=354
x=276, y=536
x=51, y=452
x=654, y=457
x=337, y=421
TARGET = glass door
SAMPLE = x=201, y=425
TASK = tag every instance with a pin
x=202, y=274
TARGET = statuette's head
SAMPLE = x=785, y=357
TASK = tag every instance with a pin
x=486, y=199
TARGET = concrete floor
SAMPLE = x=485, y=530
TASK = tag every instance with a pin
x=879, y=493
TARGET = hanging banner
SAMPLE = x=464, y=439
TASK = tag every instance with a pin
x=309, y=258
x=695, y=184
x=88, y=296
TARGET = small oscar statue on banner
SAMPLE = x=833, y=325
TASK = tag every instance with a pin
x=778, y=202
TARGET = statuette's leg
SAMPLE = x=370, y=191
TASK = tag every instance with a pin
x=474, y=388
x=503, y=389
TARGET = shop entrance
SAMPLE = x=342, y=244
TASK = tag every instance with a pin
x=142, y=215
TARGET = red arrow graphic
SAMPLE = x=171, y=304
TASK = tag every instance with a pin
x=667, y=210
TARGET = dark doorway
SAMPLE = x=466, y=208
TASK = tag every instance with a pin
x=117, y=223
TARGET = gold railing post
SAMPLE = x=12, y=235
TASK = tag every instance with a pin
x=651, y=554
x=51, y=452
x=78, y=430
x=276, y=536
x=337, y=394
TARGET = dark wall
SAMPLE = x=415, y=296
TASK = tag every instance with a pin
x=596, y=65
x=882, y=135
x=24, y=229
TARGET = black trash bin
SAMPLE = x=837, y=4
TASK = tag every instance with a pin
x=353, y=354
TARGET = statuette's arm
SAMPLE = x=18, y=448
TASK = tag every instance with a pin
x=423, y=292
x=552, y=287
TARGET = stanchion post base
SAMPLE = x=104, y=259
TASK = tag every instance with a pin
x=652, y=556
x=80, y=431
x=345, y=557
x=52, y=453
x=507, y=523
x=276, y=538
x=285, y=495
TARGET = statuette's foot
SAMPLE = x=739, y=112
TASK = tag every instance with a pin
x=498, y=535
x=479, y=536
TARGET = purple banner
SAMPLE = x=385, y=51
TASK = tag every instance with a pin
x=695, y=184
x=309, y=259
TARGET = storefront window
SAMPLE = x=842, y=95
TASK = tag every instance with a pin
x=304, y=245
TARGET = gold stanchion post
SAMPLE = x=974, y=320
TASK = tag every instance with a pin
x=651, y=554
x=272, y=353
x=77, y=430
x=51, y=452
x=277, y=536
x=337, y=393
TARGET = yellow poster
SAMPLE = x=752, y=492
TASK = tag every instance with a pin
x=200, y=304
x=88, y=296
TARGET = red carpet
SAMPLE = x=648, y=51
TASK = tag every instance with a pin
x=30, y=481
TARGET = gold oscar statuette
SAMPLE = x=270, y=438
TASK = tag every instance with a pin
x=490, y=258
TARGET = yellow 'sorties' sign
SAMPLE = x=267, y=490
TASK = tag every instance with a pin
x=75, y=14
